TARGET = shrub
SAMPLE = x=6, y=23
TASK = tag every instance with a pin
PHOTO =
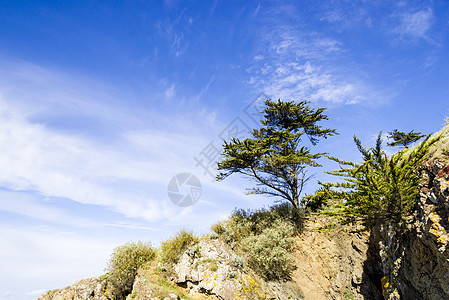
x=238, y=261
x=213, y=235
x=219, y=228
x=284, y=212
x=173, y=248
x=234, y=229
x=244, y=223
x=269, y=253
x=316, y=202
x=213, y=266
x=123, y=265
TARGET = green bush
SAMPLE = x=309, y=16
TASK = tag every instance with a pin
x=123, y=266
x=238, y=262
x=219, y=228
x=269, y=253
x=316, y=202
x=245, y=223
x=173, y=248
x=265, y=218
x=232, y=230
x=266, y=236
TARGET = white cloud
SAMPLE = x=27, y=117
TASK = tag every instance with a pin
x=170, y=92
x=285, y=41
x=309, y=82
x=57, y=165
x=122, y=161
x=120, y=158
x=44, y=259
x=7, y=294
x=344, y=15
x=415, y=24
x=298, y=65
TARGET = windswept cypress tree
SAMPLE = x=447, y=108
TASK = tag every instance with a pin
x=276, y=157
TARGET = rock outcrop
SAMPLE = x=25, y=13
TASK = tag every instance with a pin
x=85, y=289
x=335, y=261
x=213, y=268
x=416, y=263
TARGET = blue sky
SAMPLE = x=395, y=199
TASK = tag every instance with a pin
x=102, y=103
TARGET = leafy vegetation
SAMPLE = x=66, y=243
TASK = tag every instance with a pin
x=244, y=223
x=123, y=265
x=402, y=138
x=269, y=253
x=315, y=202
x=266, y=238
x=381, y=189
x=173, y=248
x=276, y=157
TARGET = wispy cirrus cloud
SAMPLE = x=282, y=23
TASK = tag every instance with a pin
x=84, y=162
x=68, y=137
x=36, y=255
x=72, y=137
x=414, y=24
x=308, y=65
x=306, y=81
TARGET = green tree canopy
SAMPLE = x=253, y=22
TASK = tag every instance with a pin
x=276, y=156
x=402, y=138
x=381, y=189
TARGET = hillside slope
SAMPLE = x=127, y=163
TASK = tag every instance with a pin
x=333, y=261
x=331, y=264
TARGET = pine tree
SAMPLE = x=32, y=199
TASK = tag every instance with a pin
x=381, y=189
x=402, y=138
x=276, y=157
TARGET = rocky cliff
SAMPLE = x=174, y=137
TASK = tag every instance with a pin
x=415, y=263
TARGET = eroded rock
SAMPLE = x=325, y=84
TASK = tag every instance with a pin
x=85, y=289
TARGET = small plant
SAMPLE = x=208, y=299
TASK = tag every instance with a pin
x=348, y=295
x=173, y=248
x=213, y=266
x=238, y=261
x=250, y=289
x=315, y=202
x=270, y=252
x=219, y=228
x=234, y=229
x=213, y=235
x=123, y=266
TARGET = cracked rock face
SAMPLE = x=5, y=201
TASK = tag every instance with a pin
x=422, y=270
x=427, y=256
x=209, y=268
x=86, y=289
x=212, y=268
